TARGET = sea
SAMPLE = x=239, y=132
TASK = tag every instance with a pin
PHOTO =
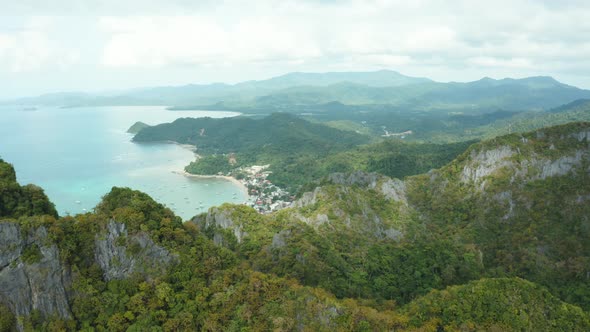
x=78, y=154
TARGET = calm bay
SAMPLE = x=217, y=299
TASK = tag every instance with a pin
x=78, y=154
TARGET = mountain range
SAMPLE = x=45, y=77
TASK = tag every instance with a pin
x=302, y=91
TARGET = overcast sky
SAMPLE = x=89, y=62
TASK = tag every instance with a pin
x=92, y=45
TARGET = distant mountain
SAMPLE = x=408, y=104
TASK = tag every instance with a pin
x=205, y=94
x=381, y=78
x=508, y=94
x=574, y=105
x=296, y=92
x=534, y=93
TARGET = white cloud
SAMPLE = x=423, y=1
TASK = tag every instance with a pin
x=186, y=41
x=25, y=50
x=193, y=40
x=497, y=62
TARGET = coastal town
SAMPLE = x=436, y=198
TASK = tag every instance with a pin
x=263, y=196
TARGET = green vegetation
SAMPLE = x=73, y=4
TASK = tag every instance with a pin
x=505, y=304
x=449, y=125
x=298, y=151
x=7, y=319
x=497, y=239
x=289, y=144
x=18, y=201
x=393, y=158
x=32, y=254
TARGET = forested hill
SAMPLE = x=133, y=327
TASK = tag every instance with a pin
x=279, y=133
x=289, y=144
x=498, y=239
x=298, y=151
x=21, y=201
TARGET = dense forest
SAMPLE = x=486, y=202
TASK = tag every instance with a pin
x=495, y=239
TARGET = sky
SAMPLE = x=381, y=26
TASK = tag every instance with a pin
x=105, y=45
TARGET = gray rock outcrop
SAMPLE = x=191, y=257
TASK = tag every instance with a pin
x=486, y=162
x=395, y=189
x=121, y=255
x=358, y=178
x=38, y=282
x=220, y=218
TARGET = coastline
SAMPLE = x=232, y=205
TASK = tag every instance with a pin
x=193, y=149
x=223, y=177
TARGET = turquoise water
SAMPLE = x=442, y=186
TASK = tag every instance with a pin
x=78, y=154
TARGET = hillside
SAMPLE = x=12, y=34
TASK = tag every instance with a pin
x=520, y=199
x=289, y=144
x=495, y=240
x=298, y=151
x=510, y=207
x=444, y=127
x=21, y=201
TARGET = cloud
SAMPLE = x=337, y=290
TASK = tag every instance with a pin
x=179, y=40
x=26, y=49
x=199, y=40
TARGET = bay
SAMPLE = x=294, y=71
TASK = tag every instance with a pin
x=78, y=154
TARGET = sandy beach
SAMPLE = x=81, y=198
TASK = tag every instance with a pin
x=223, y=177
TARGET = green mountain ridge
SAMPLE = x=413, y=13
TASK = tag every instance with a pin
x=299, y=92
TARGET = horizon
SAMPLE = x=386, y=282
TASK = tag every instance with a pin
x=107, y=45
x=125, y=90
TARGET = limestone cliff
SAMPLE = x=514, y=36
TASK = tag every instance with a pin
x=218, y=219
x=121, y=255
x=32, y=276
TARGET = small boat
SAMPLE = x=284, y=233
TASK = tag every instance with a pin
x=78, y=202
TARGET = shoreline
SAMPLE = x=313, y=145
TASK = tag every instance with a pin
x=222, y=177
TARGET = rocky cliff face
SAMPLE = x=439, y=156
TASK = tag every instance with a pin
x=346, y=202
x=534, y=157
x=121, y=255
x=32, y=276
x=218, y=218
x=392, y=189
